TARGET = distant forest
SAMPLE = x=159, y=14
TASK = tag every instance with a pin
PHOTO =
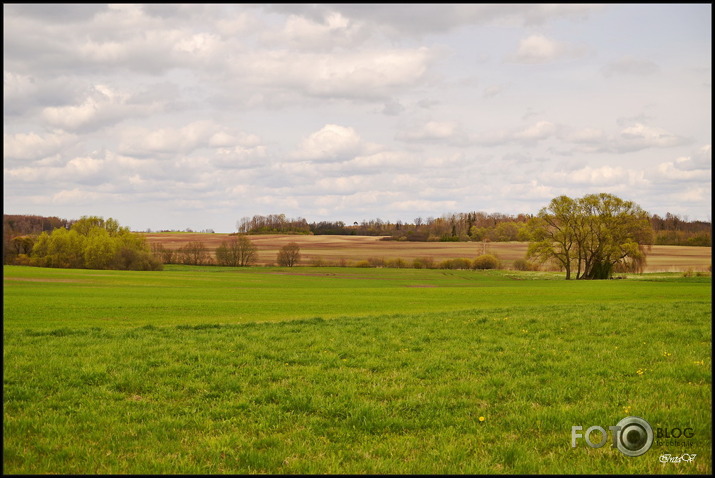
x=19, y=231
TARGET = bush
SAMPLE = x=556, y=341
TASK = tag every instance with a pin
x=423, y=263
x=486, y=261
x=459, y=263
x=523, y=265
x=289, y=255
x=376, y=261
x=396, y=263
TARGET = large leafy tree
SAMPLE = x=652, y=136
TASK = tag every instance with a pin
x=593, y=236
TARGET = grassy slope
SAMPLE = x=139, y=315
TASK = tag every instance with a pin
x=111, y=372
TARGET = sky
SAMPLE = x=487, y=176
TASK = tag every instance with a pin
x=195, y=116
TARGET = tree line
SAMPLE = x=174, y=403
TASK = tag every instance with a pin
x=236, y=251
x=589, y=237
x=472, y=226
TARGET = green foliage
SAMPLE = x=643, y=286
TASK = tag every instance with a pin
x=592, y=236
x=93, y=243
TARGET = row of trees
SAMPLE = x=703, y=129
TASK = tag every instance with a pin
x=272, y=224
x=90, y=243
x=473, y=226
x=237, y=251
x=589, y=238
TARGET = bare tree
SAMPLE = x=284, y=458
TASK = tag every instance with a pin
x=289, y=255
x=238, y=251
x=194, y=253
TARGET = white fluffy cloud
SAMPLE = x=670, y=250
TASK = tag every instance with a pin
x=332, y=142
x=371, y=74
x=101, y=107
x=33, y=146
x=538, y=48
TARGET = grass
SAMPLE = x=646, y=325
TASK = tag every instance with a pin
x=210, y=370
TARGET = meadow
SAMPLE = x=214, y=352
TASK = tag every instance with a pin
x=349, y=370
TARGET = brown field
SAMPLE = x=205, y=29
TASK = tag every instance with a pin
x=349, y=250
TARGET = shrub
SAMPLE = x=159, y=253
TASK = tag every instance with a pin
x=397, y=263
x=376, y=261
x=289, y=255
x=236, y=251
x=423, y=263
x=523, y=265
x=486, y=261
x=458, y=263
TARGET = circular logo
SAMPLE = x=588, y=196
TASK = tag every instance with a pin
x=634, y=437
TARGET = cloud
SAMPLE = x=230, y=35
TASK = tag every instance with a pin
x=639, y=136
x=331, y=143
x=602, y=176
x=363, y=74
x=101, y=107
x=492, y=91
x=537, y=48
x=238, y=107
x=170, y=141
x=694, y=168
x=392, y=108
x=65, y=13
x=330, y=32
x=419, y=20
x=431, y=131
x=33, y=146
x=538, y=131
x=588, y=136
x=525, y=136
x=630, y=66
x=241, y=157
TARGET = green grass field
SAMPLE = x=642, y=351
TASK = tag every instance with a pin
x=342, y=370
